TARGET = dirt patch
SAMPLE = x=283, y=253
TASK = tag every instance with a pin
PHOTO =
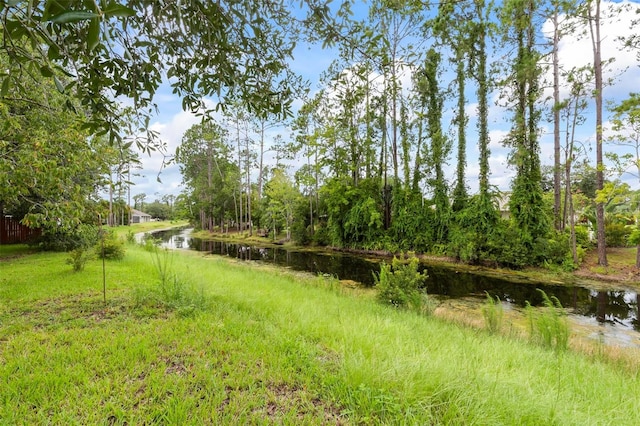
x=620, y=269
x=175, y=366
x=284, y=397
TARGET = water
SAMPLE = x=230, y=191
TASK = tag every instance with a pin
x=611, y=315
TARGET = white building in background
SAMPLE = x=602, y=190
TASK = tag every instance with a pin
x=139, y=217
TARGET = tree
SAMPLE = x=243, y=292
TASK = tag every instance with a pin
x=120, y=161
x=480, y=31
x=49, y=166
x=471, y=22
x=138, y=199
x=626, y=133
x=453, y=28
x=593, y=18
x=572, y=111
x=158, y=210
x=209, y=174
x=525, y=204
x=108, y=50
x=440, y=146
x=281, y=197
x=557, y=7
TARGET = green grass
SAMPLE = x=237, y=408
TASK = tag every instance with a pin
x=14, y=250
x=269, y=348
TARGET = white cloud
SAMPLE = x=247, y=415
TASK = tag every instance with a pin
x=170, y=133
x=496, y=137
x=471, y=110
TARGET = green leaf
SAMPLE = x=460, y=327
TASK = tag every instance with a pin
x=53, y=53
x=59, y=84
x=115, y=9
x=70, y=106
x=73, y=16
x=5, y=87
x=46, y=71
x=93, y=38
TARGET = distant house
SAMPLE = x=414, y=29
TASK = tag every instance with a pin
x=139, y=217
x=503, y=204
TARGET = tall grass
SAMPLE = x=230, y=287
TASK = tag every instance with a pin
x=548, y=325
x=493, y=314
x=172, y=290
x=271, y=349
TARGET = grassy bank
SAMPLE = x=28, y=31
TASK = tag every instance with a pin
x=268, y=348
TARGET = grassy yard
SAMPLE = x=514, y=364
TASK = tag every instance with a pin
x=226, y=343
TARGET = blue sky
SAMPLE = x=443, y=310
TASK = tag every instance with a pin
x=310, y=61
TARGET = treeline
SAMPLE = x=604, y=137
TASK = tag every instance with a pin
x=370, y=148
x=338, y=212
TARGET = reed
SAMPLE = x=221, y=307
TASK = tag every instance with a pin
x=548, y=325
x=493, y=314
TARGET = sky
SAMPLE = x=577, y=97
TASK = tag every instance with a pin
x=309, y=61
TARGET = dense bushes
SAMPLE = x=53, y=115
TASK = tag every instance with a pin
x=104, y=243
x=617, y=234
x=68, y=239
x=354, y=213
x=366, y=216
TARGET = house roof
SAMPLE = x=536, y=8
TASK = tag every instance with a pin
x=135, y=212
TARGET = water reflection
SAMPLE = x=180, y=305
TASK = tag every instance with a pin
x=614, y=308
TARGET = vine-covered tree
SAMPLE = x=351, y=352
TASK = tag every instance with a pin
x=525, y=204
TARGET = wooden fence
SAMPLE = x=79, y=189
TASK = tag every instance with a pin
x=13, y=232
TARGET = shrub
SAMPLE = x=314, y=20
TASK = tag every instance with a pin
x=172, y=292
x=300, y=233
x=616, y=234
x=582, y=236
x=61, y=239
x=322, y=236
x=109, y=246
x=399, y=284
x=131, y=237
x=78, y=258
x=509, y=248
x=150, y=243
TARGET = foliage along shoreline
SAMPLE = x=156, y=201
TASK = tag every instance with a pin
x=617, y=273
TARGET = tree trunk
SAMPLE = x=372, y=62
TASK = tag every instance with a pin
x=556, y=123
x=248, y=174
x=110, y=219
x=261, y=161
x=240, y=177
x=594, y=27
x=483, y=113
x=460, y=191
